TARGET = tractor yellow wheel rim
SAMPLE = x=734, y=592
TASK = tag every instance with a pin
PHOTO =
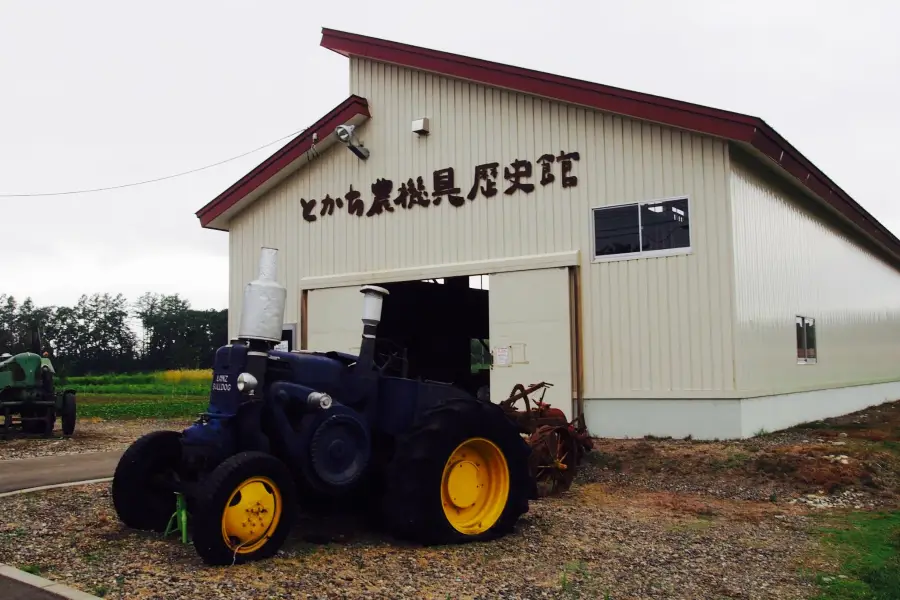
x=251, y=515
x=474, y=486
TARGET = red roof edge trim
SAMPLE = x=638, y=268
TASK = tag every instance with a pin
x=575, y=91
x=684, y=115
x=772, y=144
x=294, y=149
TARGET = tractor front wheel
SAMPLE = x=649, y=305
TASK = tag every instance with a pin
x=245, y=509
x=140, y=497
x=461, y=474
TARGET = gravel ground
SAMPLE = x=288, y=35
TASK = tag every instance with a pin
x=592, y=541
x=673, y=519
x=90, y=436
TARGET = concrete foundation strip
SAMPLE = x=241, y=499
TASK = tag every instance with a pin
x=43, y=588
x=56, y=485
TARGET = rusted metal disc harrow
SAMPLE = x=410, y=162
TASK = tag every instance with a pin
x=557, y=445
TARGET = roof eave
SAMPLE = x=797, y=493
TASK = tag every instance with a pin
x=791, y=162
x=288, y=159
x=736, y=127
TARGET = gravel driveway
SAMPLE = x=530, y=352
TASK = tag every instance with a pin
x=590, y=542
x=91, y=435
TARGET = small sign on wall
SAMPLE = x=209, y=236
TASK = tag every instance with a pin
x=501, y=356
x=506, y=356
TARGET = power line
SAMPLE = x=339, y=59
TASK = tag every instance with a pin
x=117, y=187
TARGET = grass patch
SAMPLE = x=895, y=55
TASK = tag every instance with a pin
x=152, y=389
x=867, y=545
x=140, y=406
x=33, y=569
x=734, y=460
x=700, y=524
x=188, y=382
x=892, y=446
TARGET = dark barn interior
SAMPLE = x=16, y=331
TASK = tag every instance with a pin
x=429, y=327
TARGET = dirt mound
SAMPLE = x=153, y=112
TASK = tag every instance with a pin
x=855, y=455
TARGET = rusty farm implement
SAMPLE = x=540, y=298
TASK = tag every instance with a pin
x=557, y=445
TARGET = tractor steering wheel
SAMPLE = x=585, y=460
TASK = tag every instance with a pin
x=389, y=357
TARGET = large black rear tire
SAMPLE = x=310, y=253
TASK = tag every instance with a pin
x=140, y=501
x=416, y=482
x=252, y=497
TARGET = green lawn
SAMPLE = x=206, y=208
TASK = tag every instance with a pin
x=189, y=382
x=163, y=394
x=140, y=406
x=867, y=546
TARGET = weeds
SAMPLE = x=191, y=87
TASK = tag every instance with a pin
x=735, y=460
x=604, y=460
x=579, y=570
x=16, y=532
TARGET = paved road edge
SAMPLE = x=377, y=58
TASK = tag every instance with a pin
x=51, y=587
x=54, y=486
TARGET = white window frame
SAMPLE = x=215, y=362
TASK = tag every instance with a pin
x=689, y=249
x=806, y=360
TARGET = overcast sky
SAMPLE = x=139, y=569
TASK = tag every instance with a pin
x=102, y=93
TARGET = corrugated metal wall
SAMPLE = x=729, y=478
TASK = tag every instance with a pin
x=789, y=261
x=653, y=327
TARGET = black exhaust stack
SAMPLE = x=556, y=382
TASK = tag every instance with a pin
x=373, y=299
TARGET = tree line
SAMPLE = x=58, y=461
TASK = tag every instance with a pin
x=105, y=333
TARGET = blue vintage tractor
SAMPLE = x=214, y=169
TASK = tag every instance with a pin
x=288, y=429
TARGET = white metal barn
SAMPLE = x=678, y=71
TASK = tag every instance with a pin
x=672, y=269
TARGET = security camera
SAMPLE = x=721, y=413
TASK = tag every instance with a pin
x=345, y=134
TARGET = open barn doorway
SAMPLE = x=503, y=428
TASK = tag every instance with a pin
x=438, y=330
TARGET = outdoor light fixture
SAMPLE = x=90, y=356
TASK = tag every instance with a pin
x=421, y=126
x=345, y=134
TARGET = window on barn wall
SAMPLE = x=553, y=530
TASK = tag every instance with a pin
x=479, y=355
x=806, y=340
x=652, y=228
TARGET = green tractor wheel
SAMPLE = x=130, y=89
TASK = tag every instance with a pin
x=245, y=509
x=139, y=500
x=68, y=414
x=460, y=474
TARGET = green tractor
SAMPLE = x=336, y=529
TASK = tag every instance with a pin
x=29, y=401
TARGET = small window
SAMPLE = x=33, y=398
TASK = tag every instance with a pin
x=657, y=227
x=479, y=355
x=806, y=340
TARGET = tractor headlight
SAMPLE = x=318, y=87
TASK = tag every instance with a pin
x=319, y=399
x=246, y=382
